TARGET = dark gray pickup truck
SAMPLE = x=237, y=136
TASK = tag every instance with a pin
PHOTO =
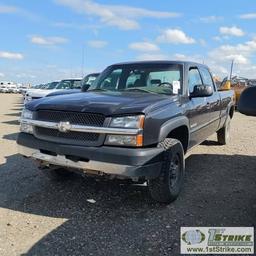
x=136, y=122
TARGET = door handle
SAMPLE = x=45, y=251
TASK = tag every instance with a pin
x=208, y=105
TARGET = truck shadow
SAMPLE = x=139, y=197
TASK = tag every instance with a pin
x=219, y=191
x=18, y=114
x=12, y=122
x=210, y=143
x=11, y=136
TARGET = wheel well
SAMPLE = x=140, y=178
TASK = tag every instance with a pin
x=231, y=112
x=181, y=134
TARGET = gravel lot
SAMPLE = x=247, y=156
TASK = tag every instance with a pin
x=43, y=217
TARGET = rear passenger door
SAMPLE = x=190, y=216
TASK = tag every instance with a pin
x=213, y=103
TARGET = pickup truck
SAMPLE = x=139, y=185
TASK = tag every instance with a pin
x=136, y=122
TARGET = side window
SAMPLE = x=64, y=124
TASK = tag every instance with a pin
x=77, y=84
x=66, y=85
x=194, y=78
x=157, y=77
x=91, y=79
x=206, y=76
x=134, y=80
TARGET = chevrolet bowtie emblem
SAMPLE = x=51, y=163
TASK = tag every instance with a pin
x=64, y=126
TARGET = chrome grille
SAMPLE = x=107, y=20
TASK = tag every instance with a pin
x=71, y=137
x=89, y=119
x=80, y=136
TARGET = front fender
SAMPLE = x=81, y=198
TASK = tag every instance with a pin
x=172, y=124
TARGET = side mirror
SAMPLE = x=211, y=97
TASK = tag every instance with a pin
x=201, y=91
x=85, y=87
x=247, y=102
x=225, y=86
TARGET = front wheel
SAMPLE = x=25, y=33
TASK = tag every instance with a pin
x=167, y=186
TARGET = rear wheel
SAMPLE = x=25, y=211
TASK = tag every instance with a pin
x=167, y=186
x=223, y=135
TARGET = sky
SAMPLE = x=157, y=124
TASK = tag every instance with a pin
x=43, y=41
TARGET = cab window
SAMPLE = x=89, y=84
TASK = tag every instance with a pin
x=134, y=79
x=206, y=76
x=194, y=78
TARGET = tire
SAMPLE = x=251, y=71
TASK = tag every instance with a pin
x=223, y=135
x=56, y=174
x=167, y=186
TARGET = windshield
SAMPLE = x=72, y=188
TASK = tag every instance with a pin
x=148, y=78
x=35, y=86
x=89, y=79
x=51, y=86
x=69, y=84
x=42, y=86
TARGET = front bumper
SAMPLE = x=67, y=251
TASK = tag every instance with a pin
x=127, y=162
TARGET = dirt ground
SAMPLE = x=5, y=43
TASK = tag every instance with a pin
x=39, y=216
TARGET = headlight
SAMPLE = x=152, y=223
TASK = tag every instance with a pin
x=24, y=127
x=26, y=114
x=129, y=122
x=28, y=128
x=125, y=140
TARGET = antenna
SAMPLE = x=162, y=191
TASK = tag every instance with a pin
x=231, y=69
x=82, y=64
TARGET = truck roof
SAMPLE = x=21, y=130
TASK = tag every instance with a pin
x=148, y=62
x=71, y=79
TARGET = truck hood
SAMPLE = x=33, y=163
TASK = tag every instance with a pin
x=106, y=103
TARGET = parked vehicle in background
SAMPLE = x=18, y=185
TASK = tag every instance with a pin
x=12, y=88
x=66, y=84
x=3, y=88
x=36, y=87
x=252, y=82
x=16, y=89
x=27, y=91
x=135, y=122
x=85, y=85
x=7, y=87
x=239, y=84
x=23, y=89
x=40, y=92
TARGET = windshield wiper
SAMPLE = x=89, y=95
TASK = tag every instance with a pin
x=97, y=89
x=138, y=90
